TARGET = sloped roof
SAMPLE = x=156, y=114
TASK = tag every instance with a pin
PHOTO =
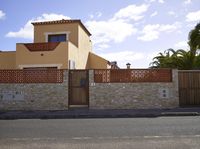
x=63, y=21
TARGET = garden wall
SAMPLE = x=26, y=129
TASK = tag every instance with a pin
x=108, y=89
x=35, y=96
x=137, y=95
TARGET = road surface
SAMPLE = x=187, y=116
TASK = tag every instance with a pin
x=116, y=133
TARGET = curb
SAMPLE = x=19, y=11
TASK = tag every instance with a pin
x=180, y=114
x=13, y=117
x=5, y=116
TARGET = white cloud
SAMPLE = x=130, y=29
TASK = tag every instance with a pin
x=119, y=56
x=2, y=14
x=24, y=32
x=161, y=1
x=169, y=27
x=152, y=31
x=123, y=57
x=157, y=1
x=107, y=31
x=99, y=14
x=187, y=2
x=154, y=14
x=181, y=45
x=96, y=15
x=172, y=13
x=27, y=30
x=103, y=46
x=91, y=16
x=131, y=12
x=135, y=58
x=190, y=25
x=193, y=16
x=117, y=28
x=150, y=1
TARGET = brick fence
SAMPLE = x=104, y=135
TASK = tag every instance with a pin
x=132, y=75
x=33, y=95
x=31, y=76
x=108, y=89
x=139, y=94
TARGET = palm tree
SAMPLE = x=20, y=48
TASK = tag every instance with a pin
x=197, y=62
x=194, y=39
x=165, y=60
x=185, y=60
x=181, y=59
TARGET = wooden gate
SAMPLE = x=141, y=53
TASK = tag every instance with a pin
x=78, y=88
x=189, y=88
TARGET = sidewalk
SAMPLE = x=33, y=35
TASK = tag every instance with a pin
x=94, y=113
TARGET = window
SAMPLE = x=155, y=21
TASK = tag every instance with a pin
x=57, y=38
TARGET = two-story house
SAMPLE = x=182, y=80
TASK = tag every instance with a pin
x=61, y=44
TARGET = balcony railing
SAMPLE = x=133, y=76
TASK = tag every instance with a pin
x=45, y=46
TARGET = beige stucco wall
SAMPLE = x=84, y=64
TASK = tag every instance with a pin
x=97, y=62
x=73, y=54
x=84, y=40
x=56, y=57
x=85, y=46
x=77, y=48
x=7, y=60
x=80, y=54
x=40, y=30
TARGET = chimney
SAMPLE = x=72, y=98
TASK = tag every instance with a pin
x=128, y=65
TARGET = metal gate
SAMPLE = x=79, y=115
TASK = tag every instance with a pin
x=78, y=88
x=189, y=88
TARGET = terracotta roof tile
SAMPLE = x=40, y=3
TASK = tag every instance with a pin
x=63, y=21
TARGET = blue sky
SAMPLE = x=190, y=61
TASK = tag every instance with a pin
x=131, y=31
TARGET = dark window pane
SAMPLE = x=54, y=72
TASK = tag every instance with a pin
x=57, y=38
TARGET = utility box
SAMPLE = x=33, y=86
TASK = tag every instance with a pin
x=164, y=92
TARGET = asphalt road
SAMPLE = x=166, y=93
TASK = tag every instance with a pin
x=162, y=132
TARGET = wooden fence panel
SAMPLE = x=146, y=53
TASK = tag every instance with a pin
x=189, y=88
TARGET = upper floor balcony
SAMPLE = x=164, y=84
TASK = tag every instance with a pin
x=45, y=54
x=45, y=46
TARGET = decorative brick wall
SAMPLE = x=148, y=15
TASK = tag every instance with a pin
x=133, y=95
x=34, y=96
x=54, y=96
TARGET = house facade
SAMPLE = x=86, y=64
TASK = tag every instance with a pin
x=62, y=44
x=59, y=71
